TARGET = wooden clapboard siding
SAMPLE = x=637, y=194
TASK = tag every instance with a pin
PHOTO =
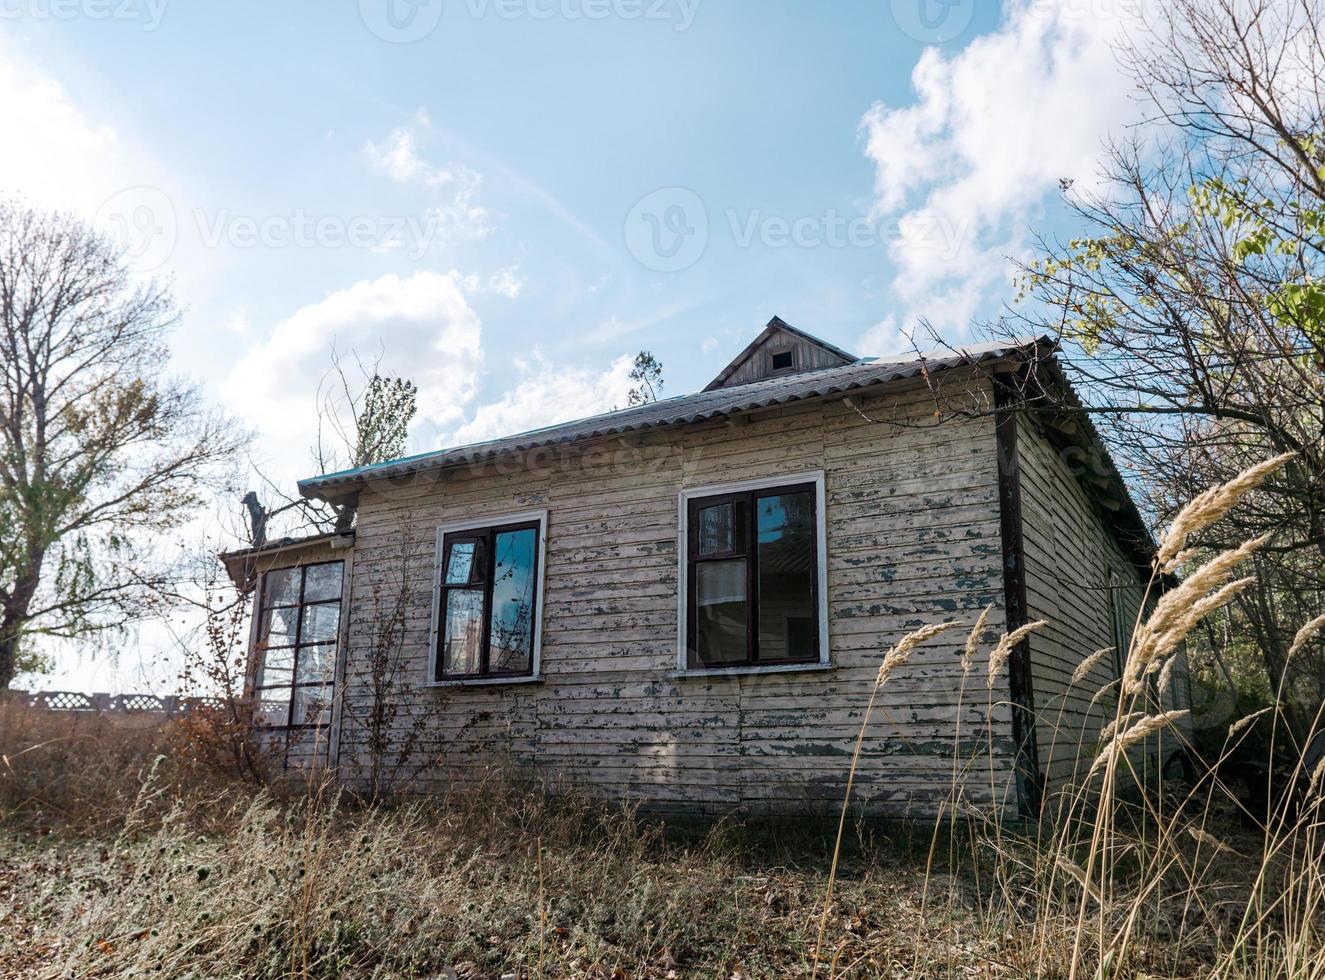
x=913, y=537
x=1071, y=549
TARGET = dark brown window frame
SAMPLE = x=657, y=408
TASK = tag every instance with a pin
x=489, y=535
x=262, y=648
x=749, y=551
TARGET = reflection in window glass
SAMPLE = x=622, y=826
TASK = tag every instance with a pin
x=462, y=642
x=320, y=623
x=281, y=626
x=312, y=706
x=720, y=606
x=322, y=582
x=466, y=563
x=717, y=531
x=276, y=675
x=787, y=570
x=752, y=577
x=317, y=664
x=281, y=587
x=512, y=639
x=272, y=708
x=488, y=606
x=298, y=643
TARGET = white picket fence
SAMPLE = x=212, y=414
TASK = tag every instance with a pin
x=166, y=705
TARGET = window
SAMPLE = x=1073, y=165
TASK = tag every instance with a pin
x=783, y=360
x=753, y=576
x=488, y=591
x=298, y=633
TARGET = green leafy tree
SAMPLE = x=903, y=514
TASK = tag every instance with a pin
x=381, y=420
x=101, y=451
x=647, y=377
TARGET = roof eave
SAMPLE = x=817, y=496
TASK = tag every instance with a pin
x=338, y=486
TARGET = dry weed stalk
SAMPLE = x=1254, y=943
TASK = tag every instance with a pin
x=901, y=653
x=1090, y=663
x=973, y=641
x=1006, y=644
x=893, y=659
x=1242, y=723
x=1305, y=635
x=1210, y=506
x=1179, y=610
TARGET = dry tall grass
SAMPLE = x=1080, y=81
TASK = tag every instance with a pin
x=1132, y=870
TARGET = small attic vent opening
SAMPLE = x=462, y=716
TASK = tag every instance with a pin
x=782, y=360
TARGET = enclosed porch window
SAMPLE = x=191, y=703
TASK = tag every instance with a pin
x=298, y=633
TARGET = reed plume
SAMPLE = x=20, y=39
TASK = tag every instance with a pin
x=1006, y=644
x=973, y=641
x=1210, y=506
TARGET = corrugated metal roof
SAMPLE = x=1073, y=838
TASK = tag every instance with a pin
x=684, y=410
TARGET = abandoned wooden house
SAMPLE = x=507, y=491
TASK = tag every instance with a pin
x=686, y=603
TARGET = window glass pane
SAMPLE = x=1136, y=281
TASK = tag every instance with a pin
x=312, y=705
x=787, y=568
x=317, y=664
x=281, y=587
x=320, y=623
x=717, y=530
x=513, y=602
x=276, y=669
x=720, y=634
x=462, y=632
x=279, y=628
x=272, y=708
x=466, y=564
x=322, y=582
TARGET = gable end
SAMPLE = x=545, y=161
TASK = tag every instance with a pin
x=778, y=351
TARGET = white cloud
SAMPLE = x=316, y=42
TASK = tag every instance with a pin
x=55, y=154
x=459, y=214
x=421, y=326
x=545, y=395
x=398, y=155
x=507, y=282
x=964, y=170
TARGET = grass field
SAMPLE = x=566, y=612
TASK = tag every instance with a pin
x=120, y=856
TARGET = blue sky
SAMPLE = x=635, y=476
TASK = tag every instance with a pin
x=506, y=199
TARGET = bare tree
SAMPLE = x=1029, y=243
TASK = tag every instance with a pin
x=100, y=449
x=363, y=417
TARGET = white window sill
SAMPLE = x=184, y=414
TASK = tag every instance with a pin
x=745, y=671
x=484, y=682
